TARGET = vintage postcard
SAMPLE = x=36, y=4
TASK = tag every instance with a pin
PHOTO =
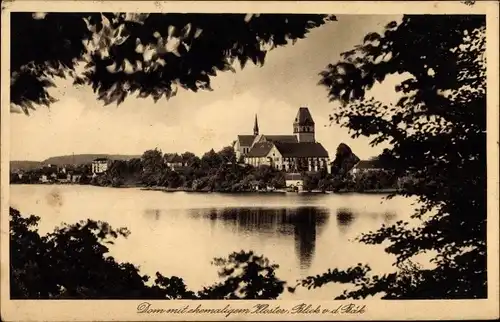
x=240, y=160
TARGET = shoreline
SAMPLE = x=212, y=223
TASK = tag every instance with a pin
x=166, y=189
x=282, y=191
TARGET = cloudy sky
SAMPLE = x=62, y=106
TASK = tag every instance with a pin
x=197, y=122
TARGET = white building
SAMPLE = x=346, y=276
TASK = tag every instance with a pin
x=294, y=181
x=174, y=161
x=100, y=165
x=364, y=166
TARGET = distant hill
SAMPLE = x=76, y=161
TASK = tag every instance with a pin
x=67, y=159
x=24, y=165
x=85, y=158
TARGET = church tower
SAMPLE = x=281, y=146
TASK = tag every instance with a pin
x=303, y=126
x=256, y=127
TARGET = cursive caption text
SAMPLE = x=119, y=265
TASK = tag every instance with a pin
x=228, y=310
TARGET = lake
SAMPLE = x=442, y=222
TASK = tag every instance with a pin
x=179, y=233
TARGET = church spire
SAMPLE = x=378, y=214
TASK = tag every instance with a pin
x=256, y=126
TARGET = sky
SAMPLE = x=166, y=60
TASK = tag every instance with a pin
x=197, y=122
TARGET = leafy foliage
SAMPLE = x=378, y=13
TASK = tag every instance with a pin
x=152, y=167
x=438, y=135
x=73, y=262
x=246, y=275
x=150, y=55
x=214, y=171
x=121, y=172
x=344, y=160
x=43, y=47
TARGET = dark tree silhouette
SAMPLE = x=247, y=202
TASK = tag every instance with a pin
x=344, y=160
x=149, y=55
x=438, y=134
x=245, y=275
x=72, y=262
x=227, y=154
x=153, y=167
x=43, y=47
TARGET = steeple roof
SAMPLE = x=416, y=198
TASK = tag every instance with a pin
x=256, y=126
x=303, y=117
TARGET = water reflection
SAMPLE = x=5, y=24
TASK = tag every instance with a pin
x=345, y=218
x=303, y=223
x=152, y=213
x=305, y=243
x=162, y=227
x=389, y=217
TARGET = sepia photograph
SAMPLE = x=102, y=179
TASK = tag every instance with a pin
x=236, y=154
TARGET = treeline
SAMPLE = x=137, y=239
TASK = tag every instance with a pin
x=80, y=174
x=220, y=172
x=214, y=171
x=365, y=181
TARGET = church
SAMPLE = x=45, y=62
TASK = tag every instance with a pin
x=292, y=153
